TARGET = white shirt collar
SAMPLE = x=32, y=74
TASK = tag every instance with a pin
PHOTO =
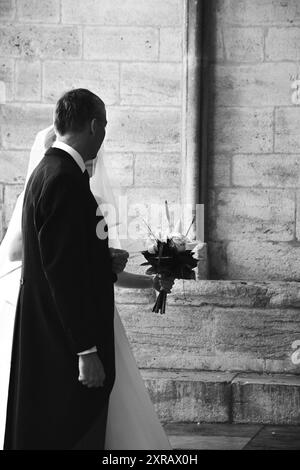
x=74, y=154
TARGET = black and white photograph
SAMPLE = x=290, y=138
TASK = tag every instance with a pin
x=149, y=226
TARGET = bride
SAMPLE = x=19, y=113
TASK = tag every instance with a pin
x=132, y=422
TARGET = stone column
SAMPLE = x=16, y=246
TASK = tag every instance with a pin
x=194, y=132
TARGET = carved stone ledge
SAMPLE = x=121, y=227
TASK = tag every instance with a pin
x=269, y=294
x=251, y=294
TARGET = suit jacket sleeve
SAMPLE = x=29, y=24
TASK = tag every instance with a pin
x=63, y=240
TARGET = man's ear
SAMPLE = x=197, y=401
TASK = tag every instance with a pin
x=93, y=126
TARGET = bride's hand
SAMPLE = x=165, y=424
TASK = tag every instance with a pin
x=119, y=259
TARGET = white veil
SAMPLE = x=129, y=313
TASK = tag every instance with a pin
x=101, y=188
x=103, y=192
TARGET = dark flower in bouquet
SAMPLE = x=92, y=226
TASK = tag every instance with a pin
x=169, y=257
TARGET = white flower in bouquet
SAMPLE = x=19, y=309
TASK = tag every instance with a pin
x=161, y=236
x=152, y=247
x=179, y=241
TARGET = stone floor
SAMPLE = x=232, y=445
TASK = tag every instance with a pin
x=233, y=436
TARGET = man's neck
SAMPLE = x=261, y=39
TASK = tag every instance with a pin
x=76, y=144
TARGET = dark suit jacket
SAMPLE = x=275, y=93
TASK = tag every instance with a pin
x=65, y=306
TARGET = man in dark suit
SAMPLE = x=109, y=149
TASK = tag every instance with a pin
x=63, y=357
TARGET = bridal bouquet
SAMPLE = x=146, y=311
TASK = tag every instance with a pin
x=169, y=257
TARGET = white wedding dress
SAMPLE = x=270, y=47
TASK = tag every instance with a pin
x=132, y=420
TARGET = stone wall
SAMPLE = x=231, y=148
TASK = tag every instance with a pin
x=129, y=52
x=255, y=140
x=216, y=326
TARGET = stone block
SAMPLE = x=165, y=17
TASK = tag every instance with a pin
x=253, y=85
x=101, y=78
x=245, y=294
x=210, y=337
x=2, y=231
x=272, y=170
x=47, y=11
x=215, y=46
x=121, y=43
x=298, y=215
x=182, y=396
x=13, y=166
x=7, y=10
x=287, y=130
x=223, y=325
x=267, y=399
x=120, y=168
x=23, y=40
x=28, y=80
x=187, y=341
x=244, y=44
x=263, y=214
x=217, y=257
x=157, y=169
x=241, y=130
x=6, y=79
x=155, y=196
x=20, y=124
x=143, y=130
x=170, y=44
x=2, y=92
x=120, y=12
x=284, y=294
x=263, y=260
x=283, y=44
x=151, y=84
x=245, y=337
x=258, y=12
x=219, y=170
